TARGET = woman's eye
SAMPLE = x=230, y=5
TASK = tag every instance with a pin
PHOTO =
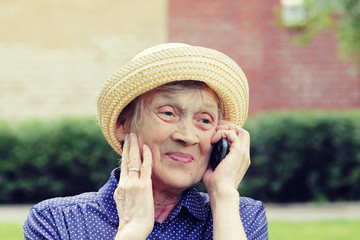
x=169, y=114
x=205, y=121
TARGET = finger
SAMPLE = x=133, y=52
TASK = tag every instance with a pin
x=223, y=125
x=244, y=137
x=227, y=125
x=125, y=158
x=119, y=199
x=230, y=135
x=134, y=157
x=147, y=163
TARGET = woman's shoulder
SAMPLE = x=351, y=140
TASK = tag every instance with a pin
x=246, y=202
x=63, y=203
x=251, y=207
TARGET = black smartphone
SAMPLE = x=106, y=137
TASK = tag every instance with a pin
x=219, y=152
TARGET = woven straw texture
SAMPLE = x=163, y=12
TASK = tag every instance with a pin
x=168, y=63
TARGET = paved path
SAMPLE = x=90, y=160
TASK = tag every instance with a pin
x=279, y=212
x=14, y=213
x=313, y=211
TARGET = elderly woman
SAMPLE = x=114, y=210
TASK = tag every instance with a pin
x=162, y=112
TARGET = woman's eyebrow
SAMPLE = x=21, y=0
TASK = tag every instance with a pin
x=211, y=105
x=167, y=96
x=208, y=106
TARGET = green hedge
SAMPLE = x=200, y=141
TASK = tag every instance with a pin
x=42, y=159
x=304, y=156
x=295, y=157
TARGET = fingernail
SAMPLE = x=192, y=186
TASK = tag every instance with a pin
x=133, y=135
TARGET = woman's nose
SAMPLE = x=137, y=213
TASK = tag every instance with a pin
x=185, y=134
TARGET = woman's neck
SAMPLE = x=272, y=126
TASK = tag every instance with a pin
x=164, y=202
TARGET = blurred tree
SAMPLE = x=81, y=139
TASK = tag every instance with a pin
x=342, y=16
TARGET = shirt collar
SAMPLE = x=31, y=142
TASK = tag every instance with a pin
x=195, y=202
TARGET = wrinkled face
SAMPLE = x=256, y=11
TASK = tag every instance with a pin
x=178, y=127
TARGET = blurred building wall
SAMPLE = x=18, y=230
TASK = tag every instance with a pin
x=55, y=55
x=281, y=75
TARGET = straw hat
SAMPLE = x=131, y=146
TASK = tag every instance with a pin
x=167, y=63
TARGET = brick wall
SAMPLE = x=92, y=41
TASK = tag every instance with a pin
x=281, y=75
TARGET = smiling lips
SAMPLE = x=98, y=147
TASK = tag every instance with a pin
x=180, y=157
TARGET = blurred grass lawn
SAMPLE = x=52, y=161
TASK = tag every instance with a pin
x=11, y=231
x=278, y=230
x=326, y=229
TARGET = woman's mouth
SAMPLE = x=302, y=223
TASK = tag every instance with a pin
x=180, y=157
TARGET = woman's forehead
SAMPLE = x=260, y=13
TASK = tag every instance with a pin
x=205, y=96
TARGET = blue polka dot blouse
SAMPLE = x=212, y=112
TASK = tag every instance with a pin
x=93, y=215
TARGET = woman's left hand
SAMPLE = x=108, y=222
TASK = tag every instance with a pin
x=231, y=170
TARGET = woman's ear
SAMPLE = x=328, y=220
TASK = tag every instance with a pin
x=120, y=132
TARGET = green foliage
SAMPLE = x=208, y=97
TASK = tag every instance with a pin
x=342, y=16
x=306, y=156
x=300, y=157
x=46, y=159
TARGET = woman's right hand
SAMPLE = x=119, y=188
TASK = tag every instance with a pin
x=134, y=196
